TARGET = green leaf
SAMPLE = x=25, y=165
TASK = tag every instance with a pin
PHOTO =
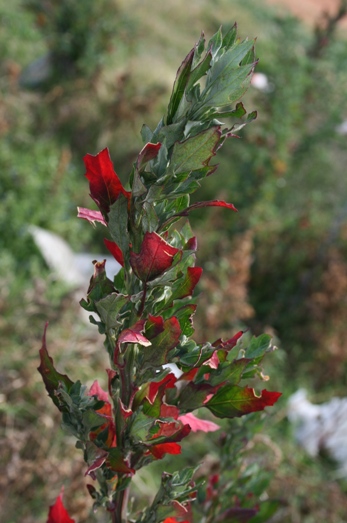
x=196, y=152
x=230, y=37
x=140, y=427
x=118, y=223
x=199, y=71
x=226, y=80
x=258, y=346
x=215, y=42
x=230, y=372
x=179, y=86
x=109, y=307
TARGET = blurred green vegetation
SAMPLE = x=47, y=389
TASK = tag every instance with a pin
x=76, y=77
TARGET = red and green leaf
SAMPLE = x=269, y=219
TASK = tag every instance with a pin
x=147, y=153
x=155, y=257
x=231, y=401
x=134, y=334
x=116, y=462
x=161, y=344
x=186, y=285
x=52, y=379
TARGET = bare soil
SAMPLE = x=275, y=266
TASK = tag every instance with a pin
x=310, y=10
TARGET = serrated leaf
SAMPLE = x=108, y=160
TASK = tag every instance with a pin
x=215, y=42
x=231, y=401
x=200, y=70
x=52, y=379
x=185, y=317
x=226, y=80
x=179, y=86
x=229, y=371
x=140, y=426
x=196, y=152
x=258, y=346
x=109, y=307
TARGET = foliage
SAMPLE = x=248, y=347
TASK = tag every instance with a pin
x=290, y=171
x=77, y=35
x=146, y=313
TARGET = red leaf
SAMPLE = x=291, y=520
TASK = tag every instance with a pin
x=174, y=520
x=228, y=344
x=105, y=186
x=198, y=424
x=168, y=382
x=58, y=513
x=213, y=362
x=172, y=431
x=211, y=203
x=134, y=334
x=97, y=463
x=154, y=258
x=105, y=412
x=115, y=251
x=96, y=390
x=188, y=284
x=90, y=216
x=170, y=411
x=147, y=153
x=161, y=449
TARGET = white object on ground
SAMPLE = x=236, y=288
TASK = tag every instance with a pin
x=73, y=269
x=321, y=427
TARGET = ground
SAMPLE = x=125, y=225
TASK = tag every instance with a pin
x=310, y=10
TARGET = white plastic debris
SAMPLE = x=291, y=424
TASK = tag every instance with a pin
x=342, y=128
x=73, y=269
x=320, y=427
x=261, y=82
